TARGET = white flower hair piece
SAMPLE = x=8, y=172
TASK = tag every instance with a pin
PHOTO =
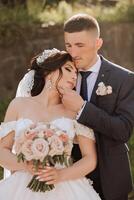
x=45, y=54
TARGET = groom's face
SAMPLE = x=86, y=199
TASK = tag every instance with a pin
x=83, y=47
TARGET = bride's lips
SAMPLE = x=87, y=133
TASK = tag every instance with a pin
x=71, y=84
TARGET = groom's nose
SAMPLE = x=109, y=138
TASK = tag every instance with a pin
x=73, y=52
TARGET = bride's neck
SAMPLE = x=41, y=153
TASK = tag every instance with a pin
x=49, y=97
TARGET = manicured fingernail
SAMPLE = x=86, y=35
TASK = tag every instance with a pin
x=41, y=179
x=38, y=177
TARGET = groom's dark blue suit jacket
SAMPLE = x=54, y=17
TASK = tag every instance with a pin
x=112, y=119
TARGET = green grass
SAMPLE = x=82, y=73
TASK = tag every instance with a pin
x=3, y=106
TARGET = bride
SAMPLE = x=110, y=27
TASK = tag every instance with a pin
x=38, y=100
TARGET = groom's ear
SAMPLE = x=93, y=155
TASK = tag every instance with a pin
x=99, y=43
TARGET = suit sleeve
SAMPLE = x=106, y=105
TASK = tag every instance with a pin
x=119, y=125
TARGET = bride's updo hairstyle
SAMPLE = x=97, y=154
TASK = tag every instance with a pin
x=49, y=64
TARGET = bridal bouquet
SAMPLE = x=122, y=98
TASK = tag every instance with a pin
x=43, y=145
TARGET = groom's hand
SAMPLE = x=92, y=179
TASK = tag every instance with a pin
x=71, y=99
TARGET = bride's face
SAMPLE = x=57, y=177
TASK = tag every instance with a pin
x=68, y=78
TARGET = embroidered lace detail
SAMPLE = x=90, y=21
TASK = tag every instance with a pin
x=26, y=84
x=83, y=130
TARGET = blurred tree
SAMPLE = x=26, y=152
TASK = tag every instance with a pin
x=56, y=2
x=94, y=1
x=13, y=3
x=131, y=1
x=109, y=2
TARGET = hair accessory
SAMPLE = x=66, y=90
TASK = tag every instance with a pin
x=45, y=54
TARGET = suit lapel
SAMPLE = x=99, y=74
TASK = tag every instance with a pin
x=102, y=77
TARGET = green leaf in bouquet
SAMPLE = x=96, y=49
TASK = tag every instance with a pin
x=44, y=163
x=31, y=183
x=58, y=160
x=36, y=164
x=34, y=188
x=38, y=187
x=55, y=159
x=51, y=161
x=66, y=161
x=20, y=157
x=62, y=159
x=59, y=157
x=70, y=160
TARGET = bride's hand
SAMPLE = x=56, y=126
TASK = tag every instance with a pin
x=30, y=168
x=50, y=175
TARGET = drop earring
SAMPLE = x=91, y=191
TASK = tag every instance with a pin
x=49, y=84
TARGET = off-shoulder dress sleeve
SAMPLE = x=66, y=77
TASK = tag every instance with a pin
x=80, y=129
x=18, y=126
x=6, y=128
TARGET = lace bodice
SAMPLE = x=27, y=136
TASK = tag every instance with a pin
x=72, y=127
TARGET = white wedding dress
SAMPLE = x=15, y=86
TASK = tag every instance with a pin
x=14, y=187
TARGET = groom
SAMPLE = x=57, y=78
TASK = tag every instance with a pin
x=106, y=104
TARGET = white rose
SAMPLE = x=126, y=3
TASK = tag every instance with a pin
x=40, y=148
x=19, y=141
x=101, y=84
x=52, y=126
x=102, y=89
x=40, y=127
x=109, y=89
x=27, y=151
x=59, y=132
x=68, y=148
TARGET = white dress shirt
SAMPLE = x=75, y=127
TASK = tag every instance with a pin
x=91, y=79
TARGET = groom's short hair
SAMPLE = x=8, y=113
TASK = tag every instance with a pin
x=81, y=22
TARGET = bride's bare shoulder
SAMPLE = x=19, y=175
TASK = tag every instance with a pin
x=19, y=101
x=15, y=107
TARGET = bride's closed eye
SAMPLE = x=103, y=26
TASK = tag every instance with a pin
x=68, y=69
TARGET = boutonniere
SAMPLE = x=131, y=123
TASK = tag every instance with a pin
x=103, y=89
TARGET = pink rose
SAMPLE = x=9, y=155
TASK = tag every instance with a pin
x=19, y=141
x=64, y=137
x=40, y=148
x=56, y=145
x=31, y=134
x=49, y=133
x=26, y=150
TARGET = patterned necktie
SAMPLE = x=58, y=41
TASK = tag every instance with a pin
x=83, y=90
